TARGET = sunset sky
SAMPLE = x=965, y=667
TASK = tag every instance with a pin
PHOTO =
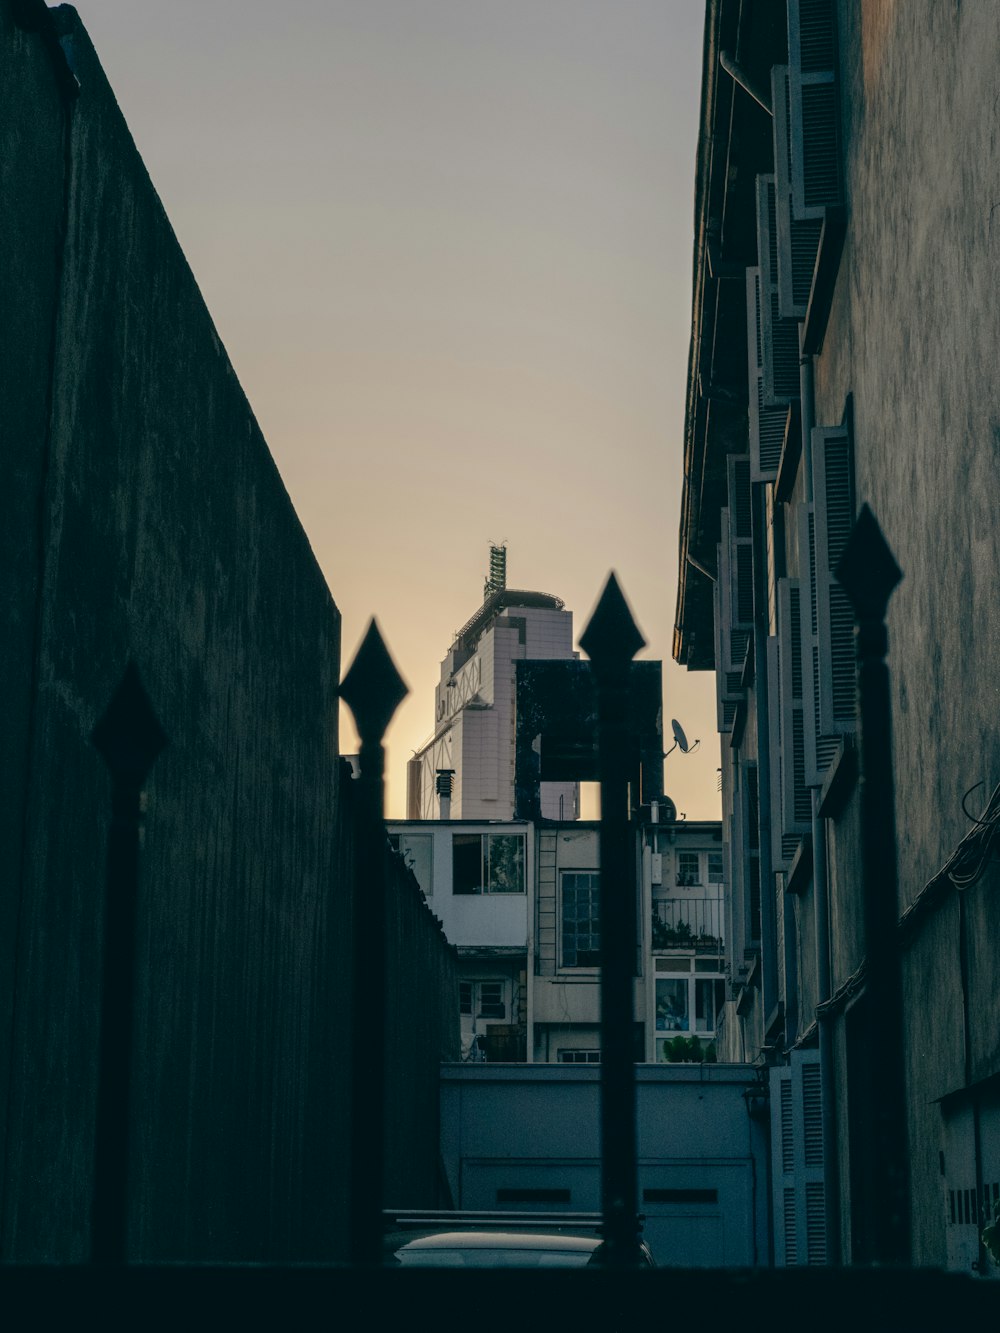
x=447, y=244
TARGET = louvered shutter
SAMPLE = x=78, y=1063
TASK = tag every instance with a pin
x=796, y=802
x=797, y=1162
x=727, y=683
x=782, y=846
x=767, y=424
x=778, y=339
x=833, y=503
x=736, y=569
x=813, y=112
x=797, y=238
x=820, y=746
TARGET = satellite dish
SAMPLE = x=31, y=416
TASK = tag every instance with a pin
x=680, y=740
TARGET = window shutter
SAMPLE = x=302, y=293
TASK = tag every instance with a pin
x=797, y=1157
x=728, y=641
x=798, y=238
x=734, y=617
x=820, y=747
x=833, y=503
x=778, y=338
x=796, y=803
x=813, y=113
x=767, y=424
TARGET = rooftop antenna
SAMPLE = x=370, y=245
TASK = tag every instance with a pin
x=497, y=579
x=680, y=740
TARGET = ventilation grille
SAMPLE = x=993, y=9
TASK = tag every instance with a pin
x=820, y=174
x=770, y=433
x=791, y=1249
x=839, y=500
x=843, y=654
x=815, y=1222
x=801, y=801
x=739, y=497
x=816, y=40
x=744, y=584
x=795, y=632
x=787, y=1128
x=812, y=1114
x=805, y=243
x=784, y=352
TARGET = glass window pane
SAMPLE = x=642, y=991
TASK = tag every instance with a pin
x=580, y=919
x=672, y=1004
x=505, y=852
x=467, y=863
x=688, y=872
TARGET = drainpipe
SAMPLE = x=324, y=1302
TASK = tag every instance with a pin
x=821, y=906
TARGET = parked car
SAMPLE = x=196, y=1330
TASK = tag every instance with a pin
x=522, y=1240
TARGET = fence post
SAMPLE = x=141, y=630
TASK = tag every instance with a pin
x=129, y=738
x=373, y=689
x=611, y=640
x=868, y=573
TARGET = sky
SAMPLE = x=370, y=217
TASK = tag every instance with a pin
x=447, y=245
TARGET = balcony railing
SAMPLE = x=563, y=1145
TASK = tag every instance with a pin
x=688, y=923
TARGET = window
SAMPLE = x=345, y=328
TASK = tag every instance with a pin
x=715, y=868
x=581, y=930
x=487, y=863
x=688, y=869
x=482, y=999
x=672, y=1013
x=579, y=1057
x=491, y=1003
x=709, y=994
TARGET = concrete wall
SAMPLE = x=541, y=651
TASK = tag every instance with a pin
x=537, y=1127
x=143, y=518
x=914, y=334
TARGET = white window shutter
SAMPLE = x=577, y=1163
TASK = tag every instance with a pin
x=778, y=338
x=798, y=238
x=813, y=112
x=797, y=1162
x=727, y=685
x=767, y=424
x=796, y=803
x=782, y=846
x=833, y=502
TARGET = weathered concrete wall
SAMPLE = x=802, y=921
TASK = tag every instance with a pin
x=914, y=335
x=143, y=518
x=511, y=1130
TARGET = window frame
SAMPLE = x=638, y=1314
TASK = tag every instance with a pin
x=593, y=933
x=464, y=842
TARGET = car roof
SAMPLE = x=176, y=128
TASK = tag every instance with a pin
x=499, y=1240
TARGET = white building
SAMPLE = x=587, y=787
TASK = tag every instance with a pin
x=521, y=903
x=474, y=715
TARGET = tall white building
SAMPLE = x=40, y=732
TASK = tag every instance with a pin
x=474, y=708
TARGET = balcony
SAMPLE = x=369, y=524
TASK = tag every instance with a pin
x=688, y=923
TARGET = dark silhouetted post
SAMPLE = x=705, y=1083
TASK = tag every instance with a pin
x=129, y=738
x=611, y=640
x=373, y=689
x=869, y=573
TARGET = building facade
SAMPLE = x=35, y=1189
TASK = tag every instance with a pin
x=520, y=901
x=474, y=712
x=843, y=353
